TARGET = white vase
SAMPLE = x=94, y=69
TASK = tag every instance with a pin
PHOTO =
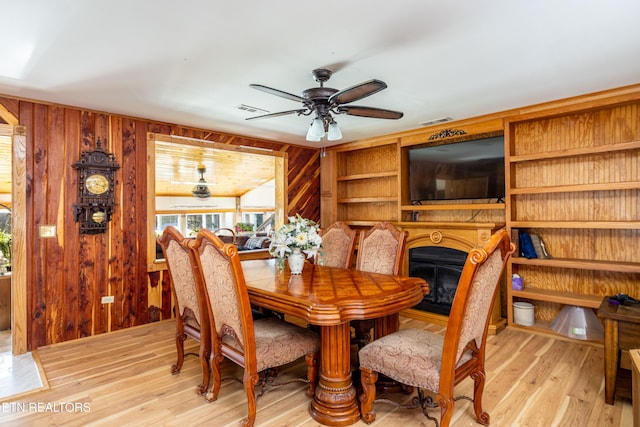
x=296, y=261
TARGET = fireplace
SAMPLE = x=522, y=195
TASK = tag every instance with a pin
x=445, y=239
x=441, y=268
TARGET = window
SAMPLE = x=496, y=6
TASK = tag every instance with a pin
x=163, y=221
x=248, y=185
x=197, y=221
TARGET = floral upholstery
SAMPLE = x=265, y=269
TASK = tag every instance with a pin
x=409, y=356
x=380, y=250
x=221, y=288
x=191, y=319
x=413, y=357
x=479, y=301
x=377, y=253
x=337, y=246
x=278, y=342
x=183, y=283
x=437, y=363
x=256, y=345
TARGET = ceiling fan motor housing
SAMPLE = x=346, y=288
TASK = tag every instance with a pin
x=321, y=75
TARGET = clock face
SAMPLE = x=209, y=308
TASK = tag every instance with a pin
x=96, y=184
x=98, y=217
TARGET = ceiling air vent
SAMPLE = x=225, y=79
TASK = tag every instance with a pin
x=436, y=121
x=250, y=109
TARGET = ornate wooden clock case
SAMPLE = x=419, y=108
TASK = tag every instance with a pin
x=96, y=197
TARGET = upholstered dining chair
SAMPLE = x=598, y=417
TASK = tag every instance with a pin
x=428, y=361
x=191, y=319
x=380, y=250
x=256, y=345
x=338, y=244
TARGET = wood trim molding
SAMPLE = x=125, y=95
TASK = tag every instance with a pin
x=19, y=323
x=7, y=116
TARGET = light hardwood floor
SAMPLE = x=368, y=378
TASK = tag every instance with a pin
x=123, y=379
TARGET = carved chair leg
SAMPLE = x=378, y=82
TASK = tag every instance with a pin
x=478, y=388
x=446, y=405
x=312, y=360
x=368, y=380
x=250, y=382
x=217, y=379
x=204, y=364
x=180, y=338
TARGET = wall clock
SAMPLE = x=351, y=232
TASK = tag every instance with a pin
x=96, y=197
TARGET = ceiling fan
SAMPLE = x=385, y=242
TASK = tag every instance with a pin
x=325, y=100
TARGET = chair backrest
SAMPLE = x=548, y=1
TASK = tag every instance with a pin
x=338, y=243
x=183, y=284
x=472, y=305
x=381, y=249
x=227, y=235
x=227, y=299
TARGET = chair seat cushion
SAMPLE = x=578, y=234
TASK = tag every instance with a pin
x=279, y=342
x=410, y=356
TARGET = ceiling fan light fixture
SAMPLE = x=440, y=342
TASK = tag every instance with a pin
x=311, y=136
x=201, y=190
x=334, y=133
x=317, y=128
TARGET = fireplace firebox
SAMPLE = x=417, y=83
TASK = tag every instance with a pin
x=441, y=268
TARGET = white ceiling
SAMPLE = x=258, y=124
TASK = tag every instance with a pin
x=191, y=62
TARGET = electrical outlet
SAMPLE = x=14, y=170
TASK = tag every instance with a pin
x=108, y=299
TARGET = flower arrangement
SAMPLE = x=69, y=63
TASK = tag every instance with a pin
x=300, y=233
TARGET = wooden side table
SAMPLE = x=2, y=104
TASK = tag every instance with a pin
x=635, y=359
x=621, y=334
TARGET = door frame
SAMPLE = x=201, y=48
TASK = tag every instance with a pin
x=18, y=135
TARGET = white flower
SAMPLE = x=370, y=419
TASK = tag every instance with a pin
x=299, y=233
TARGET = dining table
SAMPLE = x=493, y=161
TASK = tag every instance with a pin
x=330, y=298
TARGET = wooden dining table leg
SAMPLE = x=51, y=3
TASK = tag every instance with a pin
x=386, y=325
x=334, y=402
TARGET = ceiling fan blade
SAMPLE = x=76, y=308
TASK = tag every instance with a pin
x=278, y=92
x=281, y=113
x=357, y=92
x=376, y=113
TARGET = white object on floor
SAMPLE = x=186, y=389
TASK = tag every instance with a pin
x=18, y=374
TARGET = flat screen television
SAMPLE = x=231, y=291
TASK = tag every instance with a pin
x=463, y=170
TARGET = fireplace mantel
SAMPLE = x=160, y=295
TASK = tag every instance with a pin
x=463, y=236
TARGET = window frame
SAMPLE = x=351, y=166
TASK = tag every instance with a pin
x=280, y=179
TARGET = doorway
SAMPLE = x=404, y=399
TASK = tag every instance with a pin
x=17, y=137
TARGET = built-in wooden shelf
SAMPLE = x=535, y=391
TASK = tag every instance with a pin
x=582, y=264
x=449, y=207
x=611, y=225
x=367, y=175
x=363, y=223
x=368, y=199
x=592, y=214
x=569, y=298
x=555, y=154
x=607, y=186
x=543, y=327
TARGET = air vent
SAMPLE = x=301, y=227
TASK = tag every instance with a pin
x=250, y=109
x=436, y=121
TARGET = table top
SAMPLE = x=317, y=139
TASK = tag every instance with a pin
x=625, y=313
x=330, y=296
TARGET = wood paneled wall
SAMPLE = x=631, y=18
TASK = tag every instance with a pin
x=67, y=275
